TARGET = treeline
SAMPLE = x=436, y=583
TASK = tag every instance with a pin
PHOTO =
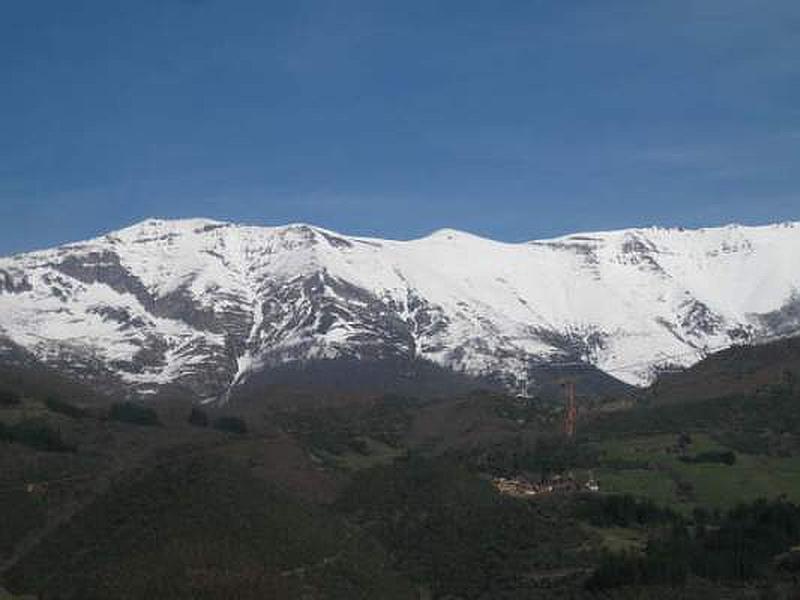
x=544, y=455
x=741, y=546
x=624, y=510
x=723, y=457
x=337, y=430
x=767, y=422
x=227, y=423
x=67, y=409
x=135, y=414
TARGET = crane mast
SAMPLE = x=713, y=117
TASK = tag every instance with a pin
x=570, y=409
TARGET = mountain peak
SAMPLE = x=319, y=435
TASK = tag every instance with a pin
x=172, y=224
x=206, y=304
x=447, y=234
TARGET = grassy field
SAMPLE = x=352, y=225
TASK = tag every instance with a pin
x=649, y=466
x=638, y=482
x=373, y=453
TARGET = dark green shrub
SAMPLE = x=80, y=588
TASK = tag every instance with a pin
x=198, y=418
x=65, y=408
x=725, y=457
x=128, y=412
x=36, y=435
x=9, y=397
x=230, y=424
x=5, y=433
x=359, y=446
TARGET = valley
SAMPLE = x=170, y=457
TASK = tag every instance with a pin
x=328, y=495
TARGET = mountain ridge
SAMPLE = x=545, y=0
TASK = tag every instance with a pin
x=206, y=304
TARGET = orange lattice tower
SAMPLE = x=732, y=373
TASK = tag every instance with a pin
x=570, y=410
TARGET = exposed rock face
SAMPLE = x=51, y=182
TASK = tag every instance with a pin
x=785, y=320
x=206, y=305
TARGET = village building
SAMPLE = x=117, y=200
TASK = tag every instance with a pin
x=523, y=488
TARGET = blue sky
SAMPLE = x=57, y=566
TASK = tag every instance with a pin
x=513, y=119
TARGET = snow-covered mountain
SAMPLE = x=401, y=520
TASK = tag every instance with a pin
x=206, y=304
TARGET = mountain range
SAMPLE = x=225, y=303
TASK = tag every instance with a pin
x=207, y=306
